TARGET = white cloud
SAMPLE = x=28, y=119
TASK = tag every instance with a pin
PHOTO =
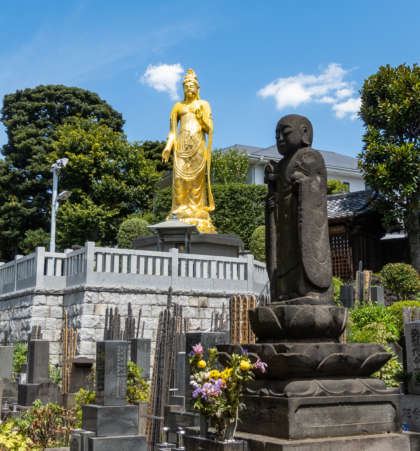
x=164, y=78
x=350, y=107
x=329, y=87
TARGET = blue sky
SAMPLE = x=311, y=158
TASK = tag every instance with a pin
x=255, y=61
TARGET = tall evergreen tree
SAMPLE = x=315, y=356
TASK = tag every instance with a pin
x=31, y=117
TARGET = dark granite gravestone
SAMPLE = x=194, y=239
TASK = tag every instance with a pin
x=111, y=423
x=347, y=296
x=412, y=346
x=111, y=372
x=80, y=371
x=315, y=387
x=38, y=359
x=38, y=385
x=140, y=355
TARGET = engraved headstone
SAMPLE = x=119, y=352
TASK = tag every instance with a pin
x=111, y=372
x=412, y=344
x=6, y=362
x=140, y=354
x=38, y=357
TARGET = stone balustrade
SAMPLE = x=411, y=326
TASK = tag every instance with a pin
x=105, y=266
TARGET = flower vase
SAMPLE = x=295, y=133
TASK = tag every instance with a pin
x=230, y=431
x=204, y=425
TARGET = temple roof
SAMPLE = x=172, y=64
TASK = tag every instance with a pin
x=349, y=204
x=332, y=159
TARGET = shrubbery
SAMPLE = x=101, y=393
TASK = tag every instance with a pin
x=20, y=352
x=396, y=310
x=401, y=280
x=257, y=243
x=130, y=229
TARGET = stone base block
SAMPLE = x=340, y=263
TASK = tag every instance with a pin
x=110, y=420
x=195, y=443
x=410, y=412
x=323, y=416
x=45, y=391
x=376, y=442
x=120, y=443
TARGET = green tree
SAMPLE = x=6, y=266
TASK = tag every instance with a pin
x=336, y=187
x=390, y=159
x=229, y=166
x=153, y=151
x=109, y=179
x=31, y=117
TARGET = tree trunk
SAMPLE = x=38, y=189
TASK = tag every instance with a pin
x=413, y=230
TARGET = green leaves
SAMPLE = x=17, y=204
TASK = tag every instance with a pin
x=31, y=118
x=109, y=179
x=390, y=160
x=230, y=166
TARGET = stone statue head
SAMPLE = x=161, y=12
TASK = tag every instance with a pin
x=191, y=86
x=292, y=133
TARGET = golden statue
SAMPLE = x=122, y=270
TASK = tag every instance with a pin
x=192, y=199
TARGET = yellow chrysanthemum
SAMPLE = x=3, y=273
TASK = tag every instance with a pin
x=245, y=365
x=214, y=374
x=201, y=364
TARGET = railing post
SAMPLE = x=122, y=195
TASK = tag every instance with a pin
x=174, y=266
x=39, y=266
x=89, y=261
x=250, y=272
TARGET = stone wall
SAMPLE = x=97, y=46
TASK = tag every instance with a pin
x=86, y=308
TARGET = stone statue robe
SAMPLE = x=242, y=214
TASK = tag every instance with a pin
x=298, y=250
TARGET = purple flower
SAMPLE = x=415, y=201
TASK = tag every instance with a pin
x=198, y=349
x=262, y=366
x=196, y=393
x=244, y=351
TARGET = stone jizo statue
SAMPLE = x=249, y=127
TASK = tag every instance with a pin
x=298, y=249
x=192, y=199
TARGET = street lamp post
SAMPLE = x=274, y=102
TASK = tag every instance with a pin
x=55, y=169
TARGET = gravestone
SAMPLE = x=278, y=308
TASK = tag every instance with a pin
x=377, y=294
x=412, y=343
x=38, y=385
x=110, y=424
x=140, y=354
x=80, y=371
x=38, y=359
x=6, y=362
x=347, y=296
x=6, y=373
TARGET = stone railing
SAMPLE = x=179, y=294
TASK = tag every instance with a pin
x=111, y=267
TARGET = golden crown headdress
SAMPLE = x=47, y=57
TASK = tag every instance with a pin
x=190, y=76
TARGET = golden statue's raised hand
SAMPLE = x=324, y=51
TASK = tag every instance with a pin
x=192, y=198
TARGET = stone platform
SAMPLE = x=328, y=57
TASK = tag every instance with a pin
x=321, y=416
x=374, y=442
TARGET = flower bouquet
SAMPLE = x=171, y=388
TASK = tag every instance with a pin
x=217, y=394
